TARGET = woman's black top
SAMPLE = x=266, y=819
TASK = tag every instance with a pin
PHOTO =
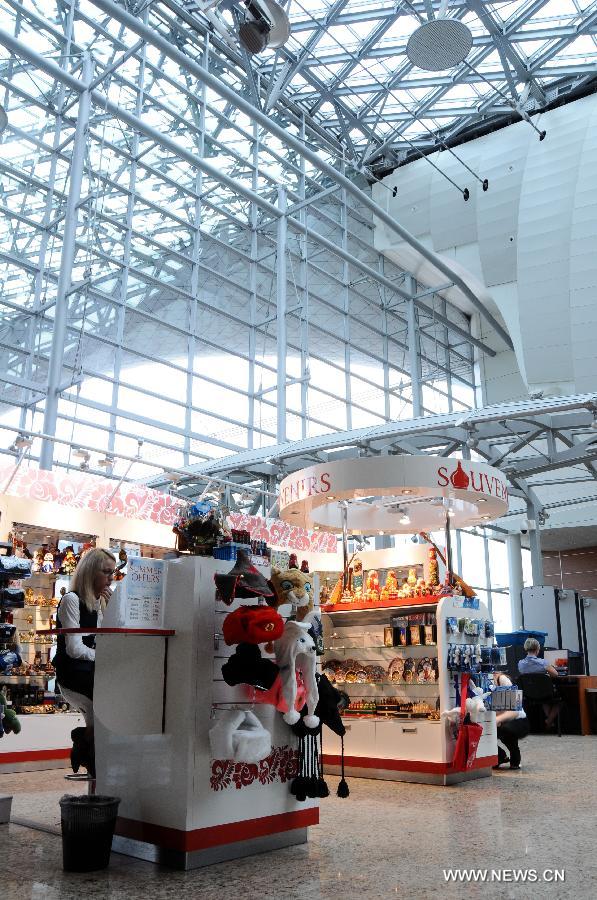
x=76, y=674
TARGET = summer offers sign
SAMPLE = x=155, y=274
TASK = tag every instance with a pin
x=312, y=497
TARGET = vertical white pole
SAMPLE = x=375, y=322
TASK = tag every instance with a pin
x=66, y=267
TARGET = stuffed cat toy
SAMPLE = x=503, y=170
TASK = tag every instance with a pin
x=294, y=587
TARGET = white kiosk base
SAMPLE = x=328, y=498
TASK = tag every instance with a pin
x=154, y=707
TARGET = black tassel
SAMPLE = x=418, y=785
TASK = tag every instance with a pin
x=323, y=790
x=343, y=789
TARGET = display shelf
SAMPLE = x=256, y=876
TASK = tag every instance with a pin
x=390, y=647
x=24, y=679
x=385, y=743
x=425, y=600
x=396, y=684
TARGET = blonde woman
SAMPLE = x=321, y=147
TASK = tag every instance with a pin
x=82, y=607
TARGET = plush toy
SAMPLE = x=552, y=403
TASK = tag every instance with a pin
x=9, y=721
x=296, y=650
x=295, y=587
x=475, y=707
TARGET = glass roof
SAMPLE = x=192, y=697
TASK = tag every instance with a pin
x=345, y=66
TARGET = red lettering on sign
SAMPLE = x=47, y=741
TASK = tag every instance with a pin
x=325, y=482
x=442, y=478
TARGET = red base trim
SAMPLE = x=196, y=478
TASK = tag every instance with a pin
x=405, y=765
x=148, y=632
x=32, y=755
x=217, y=835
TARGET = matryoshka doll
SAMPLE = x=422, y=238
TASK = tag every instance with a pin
x=357, y=578
x=392, y=585
x=433, y=568
x=373, y=586
x=38, y=561
x=70, y=561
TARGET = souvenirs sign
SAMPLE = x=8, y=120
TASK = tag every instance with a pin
x=392, y=494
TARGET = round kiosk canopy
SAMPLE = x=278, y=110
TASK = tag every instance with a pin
x=393, y=494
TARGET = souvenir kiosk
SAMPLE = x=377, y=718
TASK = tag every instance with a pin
x=400, y=652
x=158, y=692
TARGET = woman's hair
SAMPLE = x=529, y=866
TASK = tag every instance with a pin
x=88, y=567
x=532, y=645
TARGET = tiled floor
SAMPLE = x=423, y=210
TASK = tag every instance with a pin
x=386, y=840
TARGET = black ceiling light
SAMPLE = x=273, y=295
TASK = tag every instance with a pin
x=266, y=25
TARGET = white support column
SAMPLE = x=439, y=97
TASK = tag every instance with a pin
x=281, y=317
x=414, y=353
x=66, y=267
x=535, y=545
x=515, y=578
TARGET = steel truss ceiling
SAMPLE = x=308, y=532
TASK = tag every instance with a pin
x=147, y=299
x=546, y=448
x=345, y=68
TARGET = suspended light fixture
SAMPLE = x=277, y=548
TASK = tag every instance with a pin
x=443, y=43
x=266, y=25
x=439, y=44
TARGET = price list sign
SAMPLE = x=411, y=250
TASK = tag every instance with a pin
x=145, y=593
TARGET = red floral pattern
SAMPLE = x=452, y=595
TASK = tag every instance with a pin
x=90, y=492
x=281, y=765
x=277, y=533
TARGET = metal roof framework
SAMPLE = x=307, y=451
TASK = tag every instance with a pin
x=345, y=68
x=158, y=284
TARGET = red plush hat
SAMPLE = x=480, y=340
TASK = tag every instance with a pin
x=252, y=625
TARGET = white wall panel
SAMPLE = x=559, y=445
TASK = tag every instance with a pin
x=531, y=239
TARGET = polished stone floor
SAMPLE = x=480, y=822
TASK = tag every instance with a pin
x=387, y=840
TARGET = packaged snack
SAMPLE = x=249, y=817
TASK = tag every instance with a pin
x=452, y=625
x=429, y=634
x=414, y=634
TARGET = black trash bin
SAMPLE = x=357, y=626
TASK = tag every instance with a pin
x=592, y=705
x=87, y=830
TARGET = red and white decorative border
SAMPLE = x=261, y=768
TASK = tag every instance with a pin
x=280, y=765
x=283, y=536
x=82, y=491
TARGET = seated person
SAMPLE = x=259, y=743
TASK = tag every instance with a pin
x=512, y=726
x=532, y=664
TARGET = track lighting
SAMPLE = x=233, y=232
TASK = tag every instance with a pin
x=21, y=442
